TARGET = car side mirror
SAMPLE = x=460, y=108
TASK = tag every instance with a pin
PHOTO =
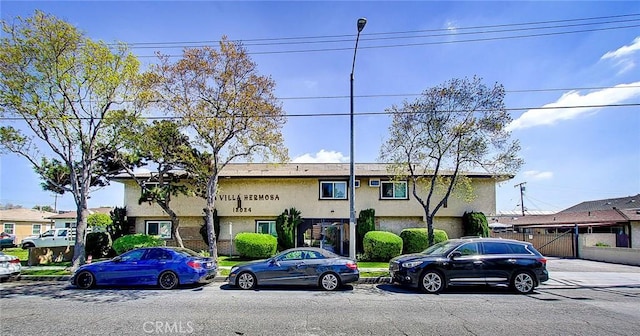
x=273, y=261
x=455, y=254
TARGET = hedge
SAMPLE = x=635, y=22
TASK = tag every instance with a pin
x=381, y=245
x=416, y=240
x=130, y=242
x=255, y=245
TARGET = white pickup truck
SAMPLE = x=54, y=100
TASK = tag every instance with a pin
x=51, y=238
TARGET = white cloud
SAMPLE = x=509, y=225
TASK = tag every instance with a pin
x=623, y=56
x=624, y=51
x=548, y=115
x=322, y=156
x=538, y=175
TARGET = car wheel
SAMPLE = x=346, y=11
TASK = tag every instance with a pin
x=431, y=282
x=329, y=281
x=168, y=280
x=85, y=280
x=246, y=280
x=522, y=282
x=27, y=245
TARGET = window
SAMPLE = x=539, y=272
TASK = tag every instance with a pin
x=268, y=227
x=356, y=183
x=157, y=254
x=70, y=224
x=162, y=229
x=333, y=190
x=36, y=229
x=134, y=255
x=49, y=233
x=469, y=249
x=394, y=190
x=374, y=183
x=496, y=248
x=9, y=228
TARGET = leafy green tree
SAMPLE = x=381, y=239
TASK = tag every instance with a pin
x=73, y=98
x=118, y=227
x=162, y=148
x=99, y=220
x=452, y=128
x=230, y=109
x=286, y=225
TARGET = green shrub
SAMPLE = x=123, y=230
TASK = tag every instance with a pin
x=255, y=245
x=475, y=224
x=130, y=242
x=382, y=245
x=98, y=245
x=366, y=223
x=416, y=240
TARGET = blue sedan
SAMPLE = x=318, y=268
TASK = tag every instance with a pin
x=166, y=267
x=297, y=266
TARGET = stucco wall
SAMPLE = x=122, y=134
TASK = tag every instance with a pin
x=618, y=255
x=591, y=239
x=242, y=201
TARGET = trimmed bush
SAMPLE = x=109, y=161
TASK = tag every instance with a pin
x=416, y=240
x=255, y=245
x=130, y=242
x=475, y=224
x=98, y=245
x=382, y=245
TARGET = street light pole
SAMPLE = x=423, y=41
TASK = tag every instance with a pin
x=352, y=180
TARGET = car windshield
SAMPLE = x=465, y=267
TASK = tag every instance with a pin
x=441, y=248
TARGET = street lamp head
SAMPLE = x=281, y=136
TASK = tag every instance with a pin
x=361, y=23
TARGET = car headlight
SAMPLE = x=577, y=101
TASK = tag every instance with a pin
x=411, y=264
x=233, y=269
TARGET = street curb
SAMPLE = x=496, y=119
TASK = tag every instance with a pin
x=374, y=280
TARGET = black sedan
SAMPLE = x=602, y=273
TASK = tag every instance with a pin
x=166, y=267
x=297, y=266
x=477, y=261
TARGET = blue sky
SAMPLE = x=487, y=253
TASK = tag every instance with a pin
x=571, y=155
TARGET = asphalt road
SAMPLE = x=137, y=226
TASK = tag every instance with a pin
x=582, y=298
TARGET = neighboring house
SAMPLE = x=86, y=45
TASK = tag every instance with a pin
x=251, y=196
x=68, y=219
x=22, y=223
x=619, y=216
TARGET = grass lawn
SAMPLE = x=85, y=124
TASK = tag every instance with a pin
x=45, y=272
x=23, y=255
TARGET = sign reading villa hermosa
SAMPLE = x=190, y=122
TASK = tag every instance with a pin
x=251, y=197
x=265, y=197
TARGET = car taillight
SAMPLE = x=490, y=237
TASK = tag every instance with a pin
x=194, y=264
x=352, y=265
x=15, y=261
x=543, y=260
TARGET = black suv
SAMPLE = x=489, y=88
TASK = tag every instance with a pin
x=472, y=261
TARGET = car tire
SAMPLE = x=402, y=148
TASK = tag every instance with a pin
x=329, y=281
x=246, y=280
x=431, y=282
x=168, y=280
x=523, y=282
x=27, y=245
x=85, y=280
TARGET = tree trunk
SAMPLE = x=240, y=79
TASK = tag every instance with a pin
x=212, y=185
x=175, y=223
x=81, y=231
x=430, y=229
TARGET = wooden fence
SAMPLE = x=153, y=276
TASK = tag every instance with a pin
x=549, y=244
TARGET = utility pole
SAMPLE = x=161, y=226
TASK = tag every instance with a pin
x=521, y=185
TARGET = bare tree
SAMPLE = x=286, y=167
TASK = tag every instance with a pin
x=229, y=109
x=69, y=95
x=452, y=129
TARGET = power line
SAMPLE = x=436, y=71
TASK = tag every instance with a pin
x=338, y=114
x=447, y=33
x=424, y=43
x=350, y=36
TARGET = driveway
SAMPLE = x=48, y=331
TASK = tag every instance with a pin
x=586, y=273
